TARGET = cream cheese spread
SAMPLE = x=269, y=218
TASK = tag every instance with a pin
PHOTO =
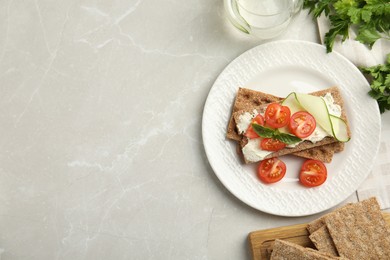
x=244, y=120
x=333, y=108
x=252, y=151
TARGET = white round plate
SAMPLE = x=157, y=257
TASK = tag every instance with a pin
x=279, y=68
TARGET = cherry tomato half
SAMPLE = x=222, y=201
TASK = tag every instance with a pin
x=250, y=133
x=277, y=116
x=271, y=170
x=302, y=124
x=313, y=173
x=270, y=144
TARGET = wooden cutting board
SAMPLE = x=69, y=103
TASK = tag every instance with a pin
x=261, y=242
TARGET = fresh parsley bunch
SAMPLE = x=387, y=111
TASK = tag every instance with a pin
x=380, y=83
x=371, y=19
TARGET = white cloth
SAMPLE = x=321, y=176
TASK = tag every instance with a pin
x=378, y=182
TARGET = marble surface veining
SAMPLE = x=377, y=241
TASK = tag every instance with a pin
x=101, y=155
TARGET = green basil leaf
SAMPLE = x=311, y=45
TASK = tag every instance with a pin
x=266, y=132
x=287, y=139
x=263, y=131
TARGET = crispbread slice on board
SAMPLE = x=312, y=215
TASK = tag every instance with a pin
x=323, y=241
x=283, y=250
x=360, y=231
x=325, y=153
x=320, y=222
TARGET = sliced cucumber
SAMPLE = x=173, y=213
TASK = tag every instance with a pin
x=340, y=129
x=292, y=103
x=316, y=106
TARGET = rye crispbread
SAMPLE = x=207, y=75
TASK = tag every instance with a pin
x=323, y=153
x=319, y=233
x=284, y=250
x=356, y=230
x=248, y=100
x=360, y=231
x=320, y=222
x=323, y=241
x=302, y=147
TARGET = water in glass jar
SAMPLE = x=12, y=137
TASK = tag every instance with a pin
x=266, y=18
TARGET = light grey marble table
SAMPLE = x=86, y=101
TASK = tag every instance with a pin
x=100, y=131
